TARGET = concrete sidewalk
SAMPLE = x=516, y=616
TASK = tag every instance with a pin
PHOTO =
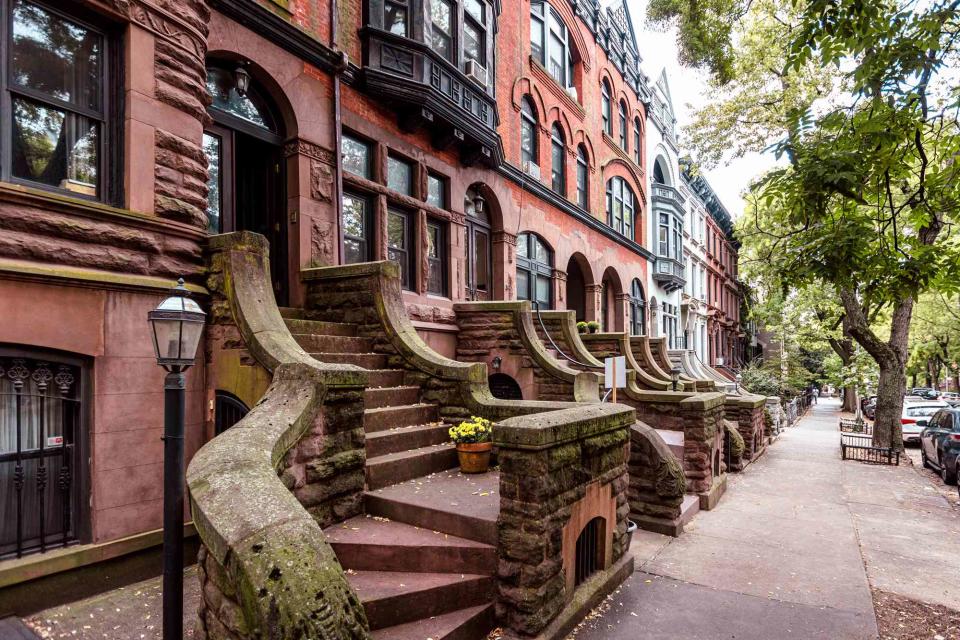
x=792, y=549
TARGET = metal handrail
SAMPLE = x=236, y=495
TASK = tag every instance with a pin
x=536, y=307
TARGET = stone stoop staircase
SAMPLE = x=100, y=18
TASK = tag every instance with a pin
x=422, y=566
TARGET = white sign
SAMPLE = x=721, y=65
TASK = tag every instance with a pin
x=54, y=441
x=615, y=372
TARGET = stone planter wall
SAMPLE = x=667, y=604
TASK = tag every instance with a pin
x=558, y=470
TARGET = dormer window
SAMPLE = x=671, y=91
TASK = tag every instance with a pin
x=549, y=43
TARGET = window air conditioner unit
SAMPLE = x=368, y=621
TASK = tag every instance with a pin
x=572, y=92
x=476, y=72
x=531, y=169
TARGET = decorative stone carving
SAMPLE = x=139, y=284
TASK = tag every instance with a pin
x=321, y=243
x=321, y=181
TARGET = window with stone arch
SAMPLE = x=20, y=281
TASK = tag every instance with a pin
x=623, y=125
x=606, y=110
x=534, y=270
x=558, y=153
x=529, y=151
x=550, y=43
x=583, y=179
x=620, y=206
x=636, y=141
x=638, y=309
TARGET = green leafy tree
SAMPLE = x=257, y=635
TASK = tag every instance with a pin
x=872, y=175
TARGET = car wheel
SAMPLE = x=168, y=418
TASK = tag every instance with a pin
x=923, y=457
x=949, y=477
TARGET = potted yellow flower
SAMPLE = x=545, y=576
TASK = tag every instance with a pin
x=472, y=438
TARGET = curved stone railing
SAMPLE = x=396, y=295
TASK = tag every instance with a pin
x=602, y=345
x=562, y=328
x=369, y=295
x=509, y=326
x=685, y=360
x=266, y=569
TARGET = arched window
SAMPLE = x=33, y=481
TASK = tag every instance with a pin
x=534, y=270
x=550, y=43
x=660, y=173
x=620, y=207
x=636, y=140
x=638, y=309
x=528, y=133
x=583, y=188
x=623, y=125
x=558, y=170
x=605, y=108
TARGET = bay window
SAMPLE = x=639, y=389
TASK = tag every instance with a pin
x=441, y=33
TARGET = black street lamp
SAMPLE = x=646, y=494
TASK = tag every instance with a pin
x=675, y=377
x=177, y=325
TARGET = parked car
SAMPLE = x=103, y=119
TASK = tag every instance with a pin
x=916, y=415
x=925, y=392
x=951, y=397
x=940, y=443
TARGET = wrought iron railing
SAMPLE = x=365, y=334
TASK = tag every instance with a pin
x=855, y=446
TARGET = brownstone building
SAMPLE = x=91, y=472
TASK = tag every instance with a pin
x=493, y=152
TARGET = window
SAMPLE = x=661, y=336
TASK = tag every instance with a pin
x=356, y=229
x=636, y=141
x=550, y=43
x=437, y=191
x=620, y=209
x=670, y=326
x=534, y=270
x=400, y=175
x=677, y=239
x=436, y=257
x=638, y=310
x=663, y=236
x=474, y=31
x=558, y=170
x=605, y=108
x=395, y=17
x=583, y=192
x=400, y=244
x=441, y=32
x=528, y=133
x=623, y=125
x=357, y=156
x=56, y=101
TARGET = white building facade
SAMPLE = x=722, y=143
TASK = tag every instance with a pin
x=693, y=305
x=667, y=278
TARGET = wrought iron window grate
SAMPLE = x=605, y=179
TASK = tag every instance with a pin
x=589, y=547
x=39, y=435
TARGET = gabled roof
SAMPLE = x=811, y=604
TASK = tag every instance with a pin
x=664, y=85
x=620, y=18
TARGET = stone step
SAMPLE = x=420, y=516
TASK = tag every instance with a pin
x=392, y=468
x=320, y=327
x=463, y=505
x=674, y=440
x=291, y=312
x=403, y=416
x=333, y=344
x=463, y=624
x=381, y=443
x=392, y=598
x=366, y=543
x=365, y=360
x=376, y=398
x=385, y=378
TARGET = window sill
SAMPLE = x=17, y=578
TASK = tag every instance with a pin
x=558, y=92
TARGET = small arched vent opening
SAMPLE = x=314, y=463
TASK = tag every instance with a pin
x=503, y=387
x=228, y=411
x=716, y=462
x=589, y=552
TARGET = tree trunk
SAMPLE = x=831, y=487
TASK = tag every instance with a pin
x=956, y=381
x=850, y=398
x=891, y=358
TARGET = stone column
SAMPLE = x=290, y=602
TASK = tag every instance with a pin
x=592, y=300
x=504, y=266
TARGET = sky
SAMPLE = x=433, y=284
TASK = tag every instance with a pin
x=658, y=49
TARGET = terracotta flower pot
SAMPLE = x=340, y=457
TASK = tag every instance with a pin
x=474, y=456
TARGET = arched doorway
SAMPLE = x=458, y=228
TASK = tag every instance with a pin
x=638, y=309
x=611, y=311
x=244, y=150
x=577, y=281
x=479, y=249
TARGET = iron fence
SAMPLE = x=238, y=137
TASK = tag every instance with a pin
x=856, y=446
